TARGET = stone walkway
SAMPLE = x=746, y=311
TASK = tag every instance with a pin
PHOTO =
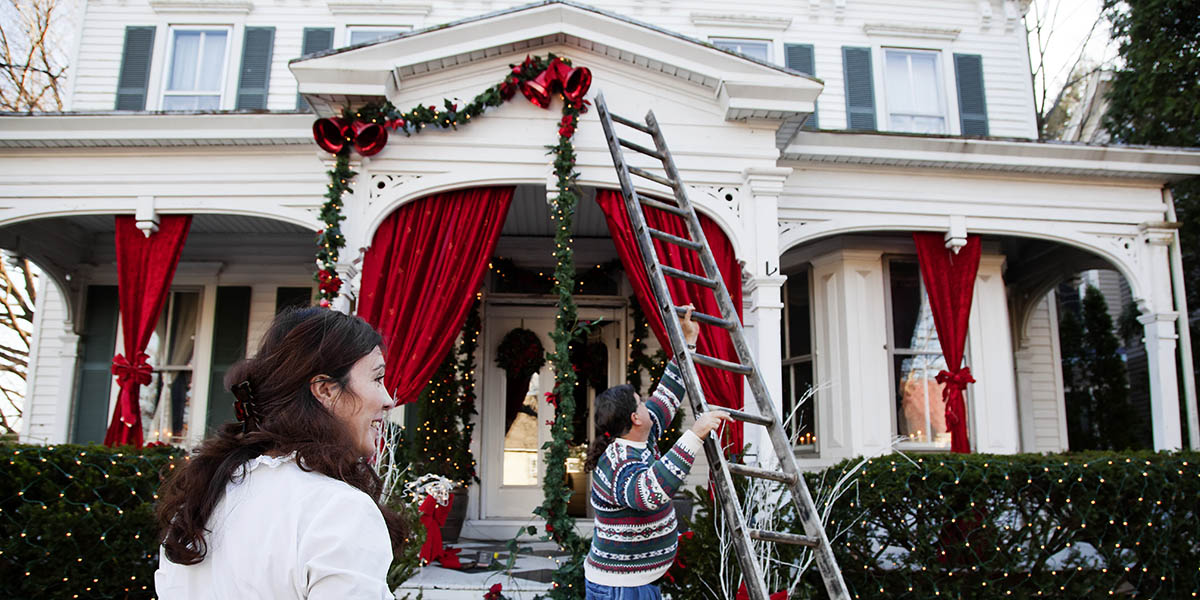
x=530, y=575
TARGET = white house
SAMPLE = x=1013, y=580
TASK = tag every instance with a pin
x=919, y=116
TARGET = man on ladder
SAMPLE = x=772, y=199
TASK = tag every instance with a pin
x=634, y=541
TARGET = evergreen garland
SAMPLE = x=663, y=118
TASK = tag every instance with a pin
x=466, y=399
x=329, y=238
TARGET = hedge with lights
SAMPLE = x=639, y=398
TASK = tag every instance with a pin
x=78, y=521
x=1086, y=525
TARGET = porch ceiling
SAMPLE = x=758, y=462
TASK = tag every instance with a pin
x=744, y=87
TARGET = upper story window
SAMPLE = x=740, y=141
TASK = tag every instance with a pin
x=915, y=102
x=195, y=78
x=916, y=358
x=364, y=34
x=760, y=49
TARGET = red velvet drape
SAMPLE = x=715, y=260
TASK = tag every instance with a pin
x=419, y=277
x=145, y=267
x=950, y=283
x=721, y=388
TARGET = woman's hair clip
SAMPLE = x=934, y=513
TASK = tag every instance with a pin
x=243, y=405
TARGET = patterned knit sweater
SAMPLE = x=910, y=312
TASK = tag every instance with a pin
x=634, y=541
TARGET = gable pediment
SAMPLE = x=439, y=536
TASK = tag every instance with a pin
x=744, y=88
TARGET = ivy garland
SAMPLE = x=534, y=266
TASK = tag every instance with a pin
x=338, y=136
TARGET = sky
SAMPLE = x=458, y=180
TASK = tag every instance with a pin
x=1068, y=23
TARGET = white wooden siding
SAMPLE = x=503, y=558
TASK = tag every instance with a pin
x=51, y=370
x=1042, y=364
x=1002, y=45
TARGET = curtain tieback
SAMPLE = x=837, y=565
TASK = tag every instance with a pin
x=956, y=379
x=955, y=382
x=138, y=371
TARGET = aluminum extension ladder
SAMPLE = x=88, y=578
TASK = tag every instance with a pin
x=722, y=470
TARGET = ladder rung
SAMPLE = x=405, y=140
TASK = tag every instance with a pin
x=652, y=177
x=634, y=124
x=673, y=239
x=705, y=318
x=779, y=476
x=709, y=361
x=671, y=208
x=692, y=277
x=639, y=148
x=782, y=538
x=747, y=417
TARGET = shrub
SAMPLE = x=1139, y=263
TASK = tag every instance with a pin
x=78, y=521
x=1088, y=525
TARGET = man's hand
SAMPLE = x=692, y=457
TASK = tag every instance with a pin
x=691, y=329
x=709, y=421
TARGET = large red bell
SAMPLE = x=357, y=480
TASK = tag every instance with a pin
x=577, y=84
x=330, y=135
x=369, y=138
x=549, y=81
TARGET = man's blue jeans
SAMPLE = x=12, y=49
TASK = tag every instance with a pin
x=649, y=591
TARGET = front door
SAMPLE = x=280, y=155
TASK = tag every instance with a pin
x=513, y=419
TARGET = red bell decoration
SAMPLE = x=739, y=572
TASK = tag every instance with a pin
x=577, y=84
x=330, y=134
x=369, y=138
x=551, y=80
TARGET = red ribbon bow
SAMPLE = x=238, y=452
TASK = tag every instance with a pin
x=955, y=382
x=138, y=371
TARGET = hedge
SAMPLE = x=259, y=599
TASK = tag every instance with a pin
x=1088, y=525
x=78, y=521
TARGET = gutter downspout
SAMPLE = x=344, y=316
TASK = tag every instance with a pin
x=1188, y=370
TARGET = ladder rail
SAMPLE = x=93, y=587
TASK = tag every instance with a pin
x=688, y=360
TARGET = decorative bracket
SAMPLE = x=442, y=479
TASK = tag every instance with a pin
x=146, y=216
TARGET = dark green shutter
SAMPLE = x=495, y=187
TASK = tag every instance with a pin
x=134, y=78
x=799, y=57
x=860, y=88
x=256, y=67
x=231, y=326
x=316, y=39
x=972, y=105
x=94, y=378
x=298, y=297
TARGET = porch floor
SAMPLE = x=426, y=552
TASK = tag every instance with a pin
x=530, y=575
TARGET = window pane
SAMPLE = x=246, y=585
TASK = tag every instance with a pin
x=924, y=82
x=757, y=50
x=799, y=401
x=906, y=300
x=185, y=315
x=191, y=102
x=184, y=60
x=213, y=62
x=919, y=406
x=362, y=36
x=799, y=326
x=899, y=87
x=521, y=439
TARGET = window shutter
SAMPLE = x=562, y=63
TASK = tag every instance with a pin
x=134, y=78
x=232, y=325
x=94, y=378
x=316, y=39
x=256, y=67
x=972, y=105
x=860, y=88
x=799, y=57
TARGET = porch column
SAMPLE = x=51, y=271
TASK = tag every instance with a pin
x=1159, y=322
x=354, y=207
x=760, y=221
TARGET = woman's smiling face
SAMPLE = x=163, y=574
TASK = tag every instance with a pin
x=363, y=405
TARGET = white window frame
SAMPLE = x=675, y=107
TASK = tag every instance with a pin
x=165, y=77
x=903, y=444
x=387, y=29
x=943, y=109
x=767, y=43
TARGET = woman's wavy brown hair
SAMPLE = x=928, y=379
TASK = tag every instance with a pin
x=300, y=344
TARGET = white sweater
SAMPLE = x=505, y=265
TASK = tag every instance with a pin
x=282, y=533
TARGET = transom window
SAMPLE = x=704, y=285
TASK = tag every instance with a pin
x=798, y=398
x=916, y=358
x=196, y=71
x=760, y=49
x=914, y=91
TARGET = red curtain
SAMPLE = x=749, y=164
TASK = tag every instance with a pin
x=950, y=283
x=145, y=267
x=420, y=275
x=721, y=388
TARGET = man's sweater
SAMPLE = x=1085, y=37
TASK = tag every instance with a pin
x=634, y=541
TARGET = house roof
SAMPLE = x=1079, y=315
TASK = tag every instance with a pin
x=745, y=87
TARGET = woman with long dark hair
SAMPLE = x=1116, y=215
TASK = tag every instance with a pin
x=634, y=541
x=284, y=503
